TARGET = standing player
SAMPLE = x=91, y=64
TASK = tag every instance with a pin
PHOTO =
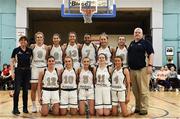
x=121, y=50
x=40, y=52
x=86, y=87
x=120, y=87
x=89, y=50
x=72, y=50
x=102, y=88
x=48, y=88
x=105, y=49
x=68, y=88
x=56, y=51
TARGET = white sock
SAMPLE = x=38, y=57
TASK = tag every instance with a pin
x=33, y=103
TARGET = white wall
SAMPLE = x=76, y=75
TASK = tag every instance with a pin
x=156, y=19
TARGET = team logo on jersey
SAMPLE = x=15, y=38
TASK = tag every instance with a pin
x=88, y=52
x=56, y=55
x=85, y=79
x=39, y=54
x=73, y=53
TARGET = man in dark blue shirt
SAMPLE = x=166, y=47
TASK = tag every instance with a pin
x=139, y=50
x=20, y=69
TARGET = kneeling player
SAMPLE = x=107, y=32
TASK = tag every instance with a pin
x=48, y=88
x=120, y=87
x=86, y=88
x=68, y=88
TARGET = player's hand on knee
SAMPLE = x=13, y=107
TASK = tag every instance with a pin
x=40, y=101
x=127, y=99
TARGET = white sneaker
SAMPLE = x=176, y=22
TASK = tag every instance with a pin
x=34, y=109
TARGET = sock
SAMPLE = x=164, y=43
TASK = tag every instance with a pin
x=33, y=103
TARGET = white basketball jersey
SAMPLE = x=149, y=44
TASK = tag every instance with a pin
x=68, y=79
x=102, y=77
x=39, y=56
x=85, y=79
x=90, y=52
x=107, y=52
x=72, y=51
x=50, y=79
x=123, y=53
x=56, y=52
x=118, y=80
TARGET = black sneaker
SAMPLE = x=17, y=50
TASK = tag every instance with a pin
x=143, y=112
x=16, y=112
x=25, y=111
x=136, y=111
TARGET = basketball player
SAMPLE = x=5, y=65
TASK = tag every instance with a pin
x=48, y=88
x=105, y=49
x=68, y=88
x=72, y=50
x=56, y=51
x=102, y=87
x=120, y=87
x=121, y=50
x=86, y=87
x=89, y=50
x=40, y=52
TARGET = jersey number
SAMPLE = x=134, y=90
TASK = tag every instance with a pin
x=68, y=80
x=51, y=81
x=101, y=78
x=73, y=54
x=116, y=80
x=85, y=79
x=88, y=53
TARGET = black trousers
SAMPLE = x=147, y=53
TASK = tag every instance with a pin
x=22, y=78
x=174, y=82
x=164, y=83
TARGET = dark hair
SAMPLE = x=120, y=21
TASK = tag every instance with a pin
x=85, y=58
x=50, y=57
x=23, y=38
x=57, y=34
x=69, y=58
x=120, y=57
x=103, y=54
x=72, y=32
x=169, y=60
x=4, y=65
x=90, y=68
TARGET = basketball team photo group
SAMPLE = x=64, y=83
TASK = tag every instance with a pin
x=99, y=59
x=64, y=79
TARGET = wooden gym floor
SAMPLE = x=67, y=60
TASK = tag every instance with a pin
x=161, y=105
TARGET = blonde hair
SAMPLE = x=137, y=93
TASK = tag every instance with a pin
x=103, y=35
x=37, y=33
